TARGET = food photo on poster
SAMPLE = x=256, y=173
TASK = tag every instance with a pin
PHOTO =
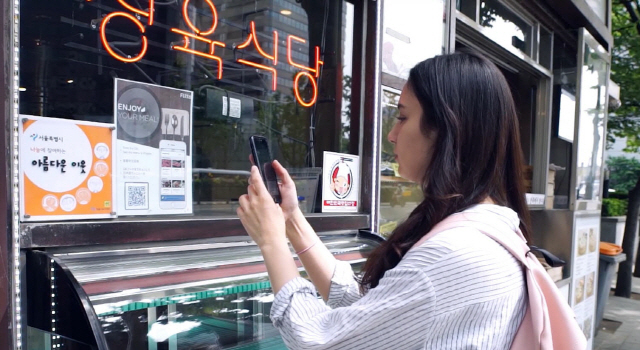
x=153, y=148
x=66, y=169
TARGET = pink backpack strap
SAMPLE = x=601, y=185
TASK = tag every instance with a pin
x=547, y=309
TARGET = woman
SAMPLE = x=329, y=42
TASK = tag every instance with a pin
x=457, y=136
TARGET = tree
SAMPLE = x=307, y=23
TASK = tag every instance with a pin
x=624, y=173
x=625, y=64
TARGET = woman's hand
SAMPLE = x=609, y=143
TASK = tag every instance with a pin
x=260, y=215
x=288, y=191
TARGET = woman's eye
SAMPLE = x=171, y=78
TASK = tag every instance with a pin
x=400, y=119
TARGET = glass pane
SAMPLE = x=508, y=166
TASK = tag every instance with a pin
x=398, y=196
x=404, y=41
x=347, y=75
x=40, y=340
x=600, y=8
x=564, y=114
x=219, y=317
x=505, y=27
x=255, y=67
x=545, y=48
x=468, y=8
x=593, y=94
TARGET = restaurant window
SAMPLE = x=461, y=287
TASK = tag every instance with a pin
x=272, y=67
x=505, y=27
x=563, y=122
x=403, y=47
x=398, y=196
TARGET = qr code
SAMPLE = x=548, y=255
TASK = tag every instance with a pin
x=137, y=195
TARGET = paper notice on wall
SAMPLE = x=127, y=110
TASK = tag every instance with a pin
x=65, y=169
x=340, y=183
x=154, y=137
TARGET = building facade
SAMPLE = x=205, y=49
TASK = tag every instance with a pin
x=134, y=243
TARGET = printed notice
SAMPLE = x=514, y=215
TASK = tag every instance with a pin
x=153, y=148
x=65, y=169
x=340, y=187
x=584, y=273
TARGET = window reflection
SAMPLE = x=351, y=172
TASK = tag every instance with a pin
x=593, y=91
x=504, y=26
x=398, y=196
x=66, y=72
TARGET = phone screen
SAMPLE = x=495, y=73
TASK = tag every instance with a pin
x=172, y=174
x=263, y=160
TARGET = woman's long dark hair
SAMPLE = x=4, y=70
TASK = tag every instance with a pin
x=477, y=153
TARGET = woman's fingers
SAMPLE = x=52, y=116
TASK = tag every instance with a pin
x=244, y=202
x=256, y=182
x=282, y=173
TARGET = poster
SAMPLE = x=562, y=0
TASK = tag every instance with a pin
x=153, y=147
x=65, y=169
x=412, y=36
x=584, y=273
x=341, y=183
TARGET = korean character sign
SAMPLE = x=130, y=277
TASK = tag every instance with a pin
x=65, y=169
x=340, y=183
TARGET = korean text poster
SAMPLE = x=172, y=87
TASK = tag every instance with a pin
x=65, y=169
x=153, y=149
x=340, y=183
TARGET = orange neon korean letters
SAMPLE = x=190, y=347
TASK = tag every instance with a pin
x=105, y=42
x=253, y=37
x=200, y=36
x=193, y=34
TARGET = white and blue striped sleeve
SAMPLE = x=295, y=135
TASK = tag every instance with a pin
x=344, y=290
x=403, y=300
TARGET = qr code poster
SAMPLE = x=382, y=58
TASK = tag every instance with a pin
x=153, y=148
x=137, y=195
x=66, y=169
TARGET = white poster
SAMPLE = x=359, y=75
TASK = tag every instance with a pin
x=584, y=273
x=411, y=36
x=153, y=149
x=341, y=183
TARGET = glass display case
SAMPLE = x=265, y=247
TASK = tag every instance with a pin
x=203, y=296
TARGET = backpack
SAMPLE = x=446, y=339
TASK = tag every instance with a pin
x=549, y=323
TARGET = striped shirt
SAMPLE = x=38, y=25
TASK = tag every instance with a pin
x=458, y=290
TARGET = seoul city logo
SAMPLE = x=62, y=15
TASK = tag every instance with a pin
x=341, y=178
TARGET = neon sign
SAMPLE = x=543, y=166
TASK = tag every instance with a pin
x=200, y=35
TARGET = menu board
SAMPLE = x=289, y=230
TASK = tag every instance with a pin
x=65, y=169
x=153, y=148
x=584, y=273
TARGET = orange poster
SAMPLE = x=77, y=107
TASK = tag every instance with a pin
x=66, y=169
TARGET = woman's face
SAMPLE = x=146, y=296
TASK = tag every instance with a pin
x=413, y=150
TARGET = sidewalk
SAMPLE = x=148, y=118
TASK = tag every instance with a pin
x=625, y=315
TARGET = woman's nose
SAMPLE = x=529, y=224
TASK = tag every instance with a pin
x=391, y=136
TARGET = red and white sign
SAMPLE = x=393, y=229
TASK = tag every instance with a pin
x=341, y=183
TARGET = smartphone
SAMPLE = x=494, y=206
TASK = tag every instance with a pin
x=172, y=174
x=263, y=160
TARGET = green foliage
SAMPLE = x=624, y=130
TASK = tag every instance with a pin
x=614, y=207
x=625, y=71
x=624, y=173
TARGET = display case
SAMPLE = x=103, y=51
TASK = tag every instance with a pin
x=196, y=296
